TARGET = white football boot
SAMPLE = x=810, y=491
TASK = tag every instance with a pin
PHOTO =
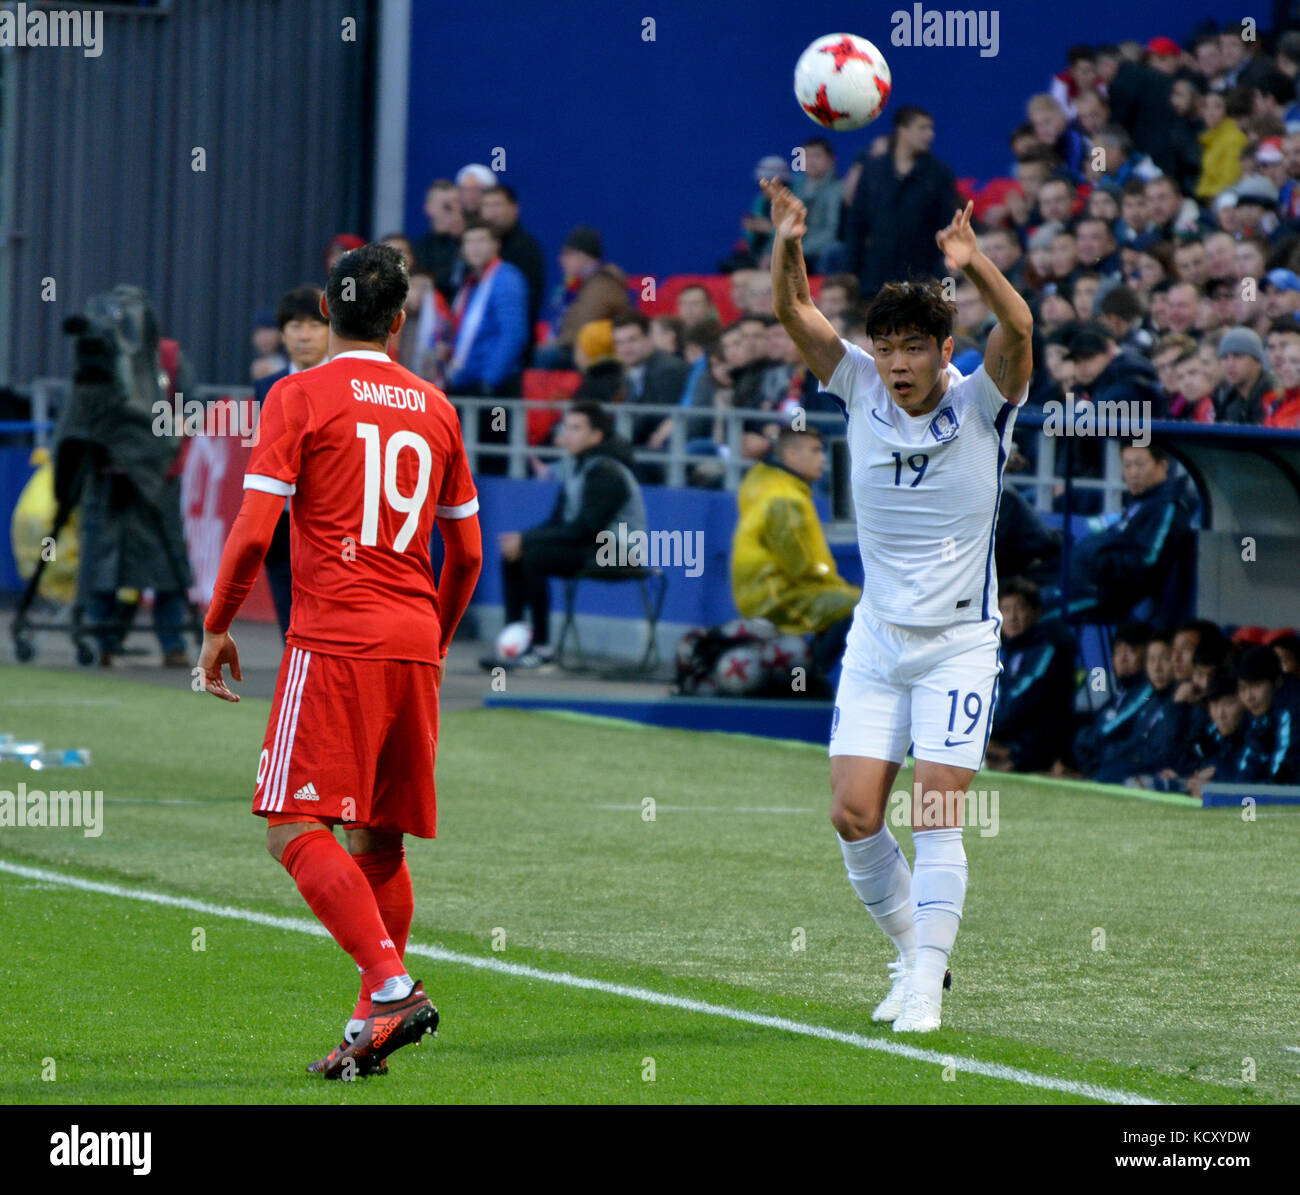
x=892, y=1005
x=920, y=1014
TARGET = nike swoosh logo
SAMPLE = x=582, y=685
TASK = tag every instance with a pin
x=923, y=903
x=960, y=743
x=881, y=901
x=878, y=419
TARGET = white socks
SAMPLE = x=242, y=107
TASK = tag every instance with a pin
x=879, y=875
x=397, y=988
x=938, y=895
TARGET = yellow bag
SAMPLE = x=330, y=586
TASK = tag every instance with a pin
x=30, y=528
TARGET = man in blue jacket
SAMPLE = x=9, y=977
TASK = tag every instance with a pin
x=1116, y=568
x=491, y=316
x=1272, y=750
x=1114, y=722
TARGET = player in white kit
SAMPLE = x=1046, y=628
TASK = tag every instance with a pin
x=927, y=447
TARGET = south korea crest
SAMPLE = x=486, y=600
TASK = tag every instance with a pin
x=944, y=425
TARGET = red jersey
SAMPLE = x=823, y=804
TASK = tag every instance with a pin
x=371, y=454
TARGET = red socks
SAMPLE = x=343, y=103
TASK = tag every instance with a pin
x=390, y=881
x=337, y=891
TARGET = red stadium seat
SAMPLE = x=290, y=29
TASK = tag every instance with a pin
x=1250, y=635
x=540, y=385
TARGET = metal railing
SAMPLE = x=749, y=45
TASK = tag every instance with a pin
x=676, y=461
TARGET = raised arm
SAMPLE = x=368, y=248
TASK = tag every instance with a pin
x=1008, y=356
x=812, y=333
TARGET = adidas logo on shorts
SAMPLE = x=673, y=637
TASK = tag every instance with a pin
x=307, y=793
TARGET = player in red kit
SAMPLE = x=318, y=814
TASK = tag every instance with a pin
x=371, y=455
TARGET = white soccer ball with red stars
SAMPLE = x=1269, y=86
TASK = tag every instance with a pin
x=842, y=81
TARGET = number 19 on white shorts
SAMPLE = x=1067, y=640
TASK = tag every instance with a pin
x=934, y=689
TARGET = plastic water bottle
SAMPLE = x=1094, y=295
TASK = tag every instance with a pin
x=74, y=758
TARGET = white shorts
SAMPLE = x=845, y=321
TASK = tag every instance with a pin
x=931, y=687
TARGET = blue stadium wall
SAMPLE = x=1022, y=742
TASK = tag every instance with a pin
x=655, y=142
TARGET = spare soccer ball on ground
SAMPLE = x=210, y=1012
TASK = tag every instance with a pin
x=842, y=81
x=513, y=640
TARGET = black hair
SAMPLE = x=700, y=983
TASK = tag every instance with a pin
x=821, y=143
x=1080, y=53
x=1122, y=302
x=1022, y=587
x=508, y=191
x=366, y=289
x=1134, y=633
x=599, y=418
x=301, y=303
x=1257, y=663
x=1158, y=454
x=1211, y=651
x=625, y=319
x=911, y=306
x=907, y=114
x=704, y=335
x=1220, y=687
x=790, y=435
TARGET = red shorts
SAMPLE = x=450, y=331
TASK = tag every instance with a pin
x=352, y=741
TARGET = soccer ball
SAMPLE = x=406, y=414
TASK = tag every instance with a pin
x=782, y=656
x=842, y=82
x=739, y=670
x=513, y=640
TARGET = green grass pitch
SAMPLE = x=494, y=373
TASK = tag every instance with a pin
x=1108, y=942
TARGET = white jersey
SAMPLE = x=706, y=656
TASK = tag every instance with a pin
x=926, y=490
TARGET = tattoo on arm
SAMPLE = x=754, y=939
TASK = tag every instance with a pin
x=1000, y=370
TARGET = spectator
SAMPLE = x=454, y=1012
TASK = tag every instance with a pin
x=1193, y=400
x=1122, y=314
x=756, y=221
x=1113, y=723
x=695, y=306
x=823, y=195
x=1052, y=128
x=1246, y=378
x=1134, y=211
x=1106, y=373
x=974, y=319
x=1064, y=259
x=1187, y=639
x=781, y=566
x=602, y=372
x=1091, y=114
x=1138, y=95
x=268, y=350
x=1271, y=753
x=438, y=250
x=1284, y=403
x=1103, y=203
x=1256, y=209
x=1171, y=213
x=1056, y=200
x=901, y=197
x=741, y=282
x=1118, y=162
x=1191, y=262
x=1242, y=65
x=666, y=333
x=1168, y=349
x=1079, y=78
x=1280, y=290
x=1097, y=247
x=500, y=211
x=1083, y=294
x=1004, y=249
x=1114, y=569
x=839, y=293
x=650, y=376
x=473, y=182
x=1182, y=308
x=1035, y=706
x=491, y=315
x=599, y=493
x=306, y=334
x=592, y=289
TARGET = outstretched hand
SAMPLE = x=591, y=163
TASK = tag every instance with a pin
x=958, y=240
x=219, y=650
x=789, y=216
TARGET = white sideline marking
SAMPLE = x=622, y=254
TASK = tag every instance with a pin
x=974, y=1066
x=1293, y=1049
